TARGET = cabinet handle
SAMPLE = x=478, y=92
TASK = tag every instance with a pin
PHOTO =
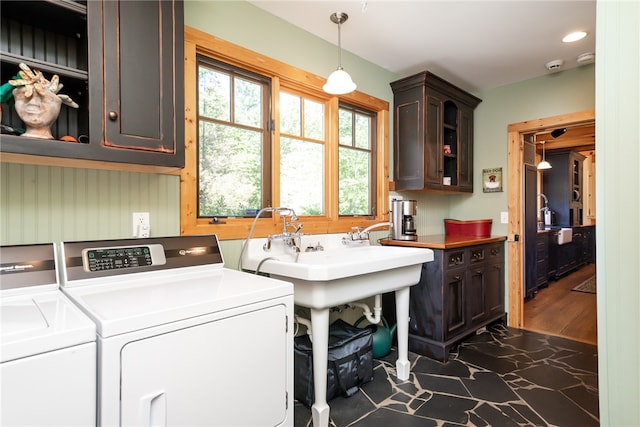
x=495, y=251
x=113, y=115
x=458, y=278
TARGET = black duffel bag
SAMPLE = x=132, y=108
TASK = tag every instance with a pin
x=350, y=362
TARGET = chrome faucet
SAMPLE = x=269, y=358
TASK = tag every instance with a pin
x=546, y=214
x=360, y=235
x=287, y=237
x=546, y=201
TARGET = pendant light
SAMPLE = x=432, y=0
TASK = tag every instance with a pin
x=339, y=82
x=543, y=164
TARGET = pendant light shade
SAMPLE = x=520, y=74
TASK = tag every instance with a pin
x=544, y=164
x=339, y=82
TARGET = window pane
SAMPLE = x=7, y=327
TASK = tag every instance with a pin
x=214, y=94
x=313, y=120
x=302, y=176
x=345, y=124
x=247, y=108
x=363, y=132
x=356, y=179
x=355, y=176
x=290, y=114
x=230, y=170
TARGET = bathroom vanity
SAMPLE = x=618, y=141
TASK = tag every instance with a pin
x=460, y=292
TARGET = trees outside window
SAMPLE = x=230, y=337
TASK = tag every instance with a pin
x=233, y=141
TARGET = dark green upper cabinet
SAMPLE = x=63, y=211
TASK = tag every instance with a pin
x=433, y=135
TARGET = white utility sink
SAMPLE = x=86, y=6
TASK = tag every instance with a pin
x=338, y=274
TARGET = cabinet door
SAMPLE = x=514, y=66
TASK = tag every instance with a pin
x=476, y=295
x=142, y=89
x=433, y=141
x=454, y=302
x=408, y=168
x=542, y=268
x=494, y=289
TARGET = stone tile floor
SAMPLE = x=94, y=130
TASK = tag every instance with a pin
x=502, y=377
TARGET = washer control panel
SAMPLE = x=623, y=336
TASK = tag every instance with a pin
x=111, y=258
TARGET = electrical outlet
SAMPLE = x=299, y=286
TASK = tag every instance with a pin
x=504, y=217
x=140, y=223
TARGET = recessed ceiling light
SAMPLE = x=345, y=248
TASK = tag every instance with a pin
x=574, y=37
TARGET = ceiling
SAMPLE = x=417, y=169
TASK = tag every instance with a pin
x=476, y=44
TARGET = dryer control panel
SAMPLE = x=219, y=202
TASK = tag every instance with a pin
x=106, y=258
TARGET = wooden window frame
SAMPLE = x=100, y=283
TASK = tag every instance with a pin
x=289, y=78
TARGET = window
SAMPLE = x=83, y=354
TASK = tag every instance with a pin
x=260, y=133
x=357, y=160
x=302, y=153
x=233, y=140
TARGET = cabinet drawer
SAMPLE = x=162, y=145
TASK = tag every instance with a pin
x=495, y=252
x=477, y=254
x=455, y=259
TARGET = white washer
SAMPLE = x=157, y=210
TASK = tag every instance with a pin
x=48, y=346
x=183, y=340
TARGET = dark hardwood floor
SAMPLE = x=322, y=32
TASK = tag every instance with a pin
x=557, y=310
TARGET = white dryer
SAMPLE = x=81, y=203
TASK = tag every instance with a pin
x=48, y=346
x=183, y=340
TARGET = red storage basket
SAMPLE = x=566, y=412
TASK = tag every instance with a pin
x=476, y=227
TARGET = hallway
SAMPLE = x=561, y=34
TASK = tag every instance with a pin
x=557, y=310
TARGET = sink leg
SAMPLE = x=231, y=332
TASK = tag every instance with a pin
x=320, y=344
x=402, y=314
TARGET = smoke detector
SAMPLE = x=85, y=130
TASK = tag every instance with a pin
x=586, y=58
x=554, y=65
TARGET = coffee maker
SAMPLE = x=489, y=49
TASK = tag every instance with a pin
x=403, y=226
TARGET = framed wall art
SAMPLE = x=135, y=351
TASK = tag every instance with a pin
x=492, y=180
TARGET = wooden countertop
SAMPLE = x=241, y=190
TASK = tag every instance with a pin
x=441, y=241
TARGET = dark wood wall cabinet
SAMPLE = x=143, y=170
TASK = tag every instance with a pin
x=433, y=135
x=121, y=61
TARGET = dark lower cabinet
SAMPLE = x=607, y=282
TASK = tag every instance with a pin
x=542, y=262
x=571, y=256
x=459, y=292
x=589, y=244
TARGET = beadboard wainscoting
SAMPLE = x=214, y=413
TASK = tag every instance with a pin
x=43, y=204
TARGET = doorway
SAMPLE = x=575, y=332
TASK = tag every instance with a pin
x=516, y=196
